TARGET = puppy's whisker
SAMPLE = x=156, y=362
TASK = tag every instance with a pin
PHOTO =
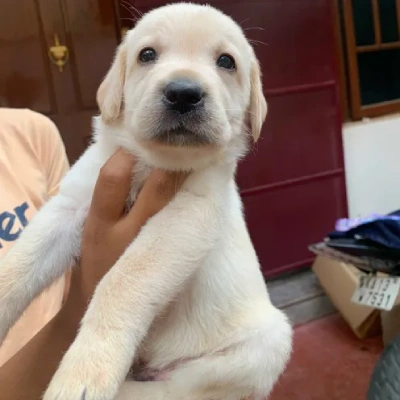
x=131, y=7
x=254, y=28
x=237, y=109
x=238, y=121
x=137, y=10
x=243, y=111
x=253, y=41
x=241, y=124
x=128, y=7
x=134, y=20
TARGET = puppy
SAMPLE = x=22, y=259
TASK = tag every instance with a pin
x=187, y=297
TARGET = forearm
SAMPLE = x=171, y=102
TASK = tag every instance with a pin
x=26, y=375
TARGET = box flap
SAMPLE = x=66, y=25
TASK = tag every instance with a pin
x=339, y=281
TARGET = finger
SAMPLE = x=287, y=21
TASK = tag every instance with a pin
x=112, y=187
x=158, y=190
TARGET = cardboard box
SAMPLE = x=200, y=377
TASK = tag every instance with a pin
x=339, y=281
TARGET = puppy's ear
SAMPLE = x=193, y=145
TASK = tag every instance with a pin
x=111, y=90
x=258, y=104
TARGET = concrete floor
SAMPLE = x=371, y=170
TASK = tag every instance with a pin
x=328, y=362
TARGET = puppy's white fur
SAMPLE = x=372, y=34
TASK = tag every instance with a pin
x=189, y=288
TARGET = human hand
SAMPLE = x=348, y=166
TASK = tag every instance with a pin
x=108, y=229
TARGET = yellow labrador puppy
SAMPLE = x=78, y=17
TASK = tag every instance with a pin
x=187, y=298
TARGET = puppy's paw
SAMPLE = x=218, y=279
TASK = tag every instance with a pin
x=68, y=388
x=81, y=382
x=85, y=374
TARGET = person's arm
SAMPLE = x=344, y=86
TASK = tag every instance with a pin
x=108, y=231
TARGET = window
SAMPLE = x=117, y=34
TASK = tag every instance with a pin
x=370, y=56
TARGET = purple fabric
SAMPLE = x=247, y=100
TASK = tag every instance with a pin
x=345, y=224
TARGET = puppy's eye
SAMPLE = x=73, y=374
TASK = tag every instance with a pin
x=147, y=55
x=226, y=61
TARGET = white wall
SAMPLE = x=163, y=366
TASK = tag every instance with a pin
x=372, y=158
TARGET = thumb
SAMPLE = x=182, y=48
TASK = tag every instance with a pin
x=112, y=187
x=158, y=190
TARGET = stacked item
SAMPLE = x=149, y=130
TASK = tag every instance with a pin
x=356, y=248
x=371, y=244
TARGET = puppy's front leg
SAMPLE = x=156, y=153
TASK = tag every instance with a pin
x=44, y=251
x=49, y=244
x=149, y=275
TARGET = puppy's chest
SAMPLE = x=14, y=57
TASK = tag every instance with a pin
x=192, y=325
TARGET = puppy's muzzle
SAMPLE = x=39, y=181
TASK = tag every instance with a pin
x=184, y=115
x=183, y=96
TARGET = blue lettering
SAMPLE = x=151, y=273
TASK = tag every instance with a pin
x=8, y=228
x=20, y=211
x=5, y=228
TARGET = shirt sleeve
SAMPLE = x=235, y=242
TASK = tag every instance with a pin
x=54, y=160
x=53, y=156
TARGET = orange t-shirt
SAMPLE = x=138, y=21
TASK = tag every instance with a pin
x=32, y=163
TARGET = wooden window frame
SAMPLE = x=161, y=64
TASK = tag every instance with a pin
x=347, y=54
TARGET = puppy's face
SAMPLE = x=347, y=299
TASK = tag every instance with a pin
x=185, y=81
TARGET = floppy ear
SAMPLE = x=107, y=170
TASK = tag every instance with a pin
x=258, y=104
x=111, y=90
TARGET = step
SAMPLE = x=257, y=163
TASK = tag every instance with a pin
x=300, y=296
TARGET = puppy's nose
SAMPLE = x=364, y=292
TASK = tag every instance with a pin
x=183, y=95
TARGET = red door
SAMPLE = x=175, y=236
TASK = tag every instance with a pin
x=84, y=32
